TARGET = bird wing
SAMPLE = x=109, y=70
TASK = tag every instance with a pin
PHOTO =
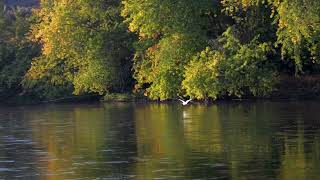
x=181, y=100
x=188, y=100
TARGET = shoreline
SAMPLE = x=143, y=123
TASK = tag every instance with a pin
x=288, y=88
x=201, y=102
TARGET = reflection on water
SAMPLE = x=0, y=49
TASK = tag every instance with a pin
x=251, y=140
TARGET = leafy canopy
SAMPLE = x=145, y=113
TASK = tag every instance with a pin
x=16, y=51
x=298, y=30
x=237, y=69
x=152, y=18
x=84, y=44
x=170, y=33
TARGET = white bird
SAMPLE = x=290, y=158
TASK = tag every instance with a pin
x=185, y=102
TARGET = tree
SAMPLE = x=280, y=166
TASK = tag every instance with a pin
x=235, y=70
x=84, y=43
x=170, y=32
x=163, y=64
x=16, y=51
x=298, y=30
x=252, y=18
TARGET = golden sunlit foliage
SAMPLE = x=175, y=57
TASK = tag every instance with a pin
x=83, y=43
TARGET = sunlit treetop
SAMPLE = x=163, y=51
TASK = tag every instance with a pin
x=151, y=18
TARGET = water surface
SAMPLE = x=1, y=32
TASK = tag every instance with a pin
x=238, y=140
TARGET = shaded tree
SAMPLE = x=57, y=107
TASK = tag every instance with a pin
x=16, y=51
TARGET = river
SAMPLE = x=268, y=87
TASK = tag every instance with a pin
x=230, y=140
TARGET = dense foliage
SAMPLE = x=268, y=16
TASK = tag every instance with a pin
x=234, y=70
x=84, y=43
x=170, y=33
x=299, y=30
x=16, y=51
x=204, y=49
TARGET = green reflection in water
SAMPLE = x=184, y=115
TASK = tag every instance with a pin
x=145, y=141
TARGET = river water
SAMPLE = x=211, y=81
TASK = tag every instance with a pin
x=234, y=140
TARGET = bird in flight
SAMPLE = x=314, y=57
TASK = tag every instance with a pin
x=185, y=102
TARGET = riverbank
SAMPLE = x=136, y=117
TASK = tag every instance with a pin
x=125, y=97
x=289, y=87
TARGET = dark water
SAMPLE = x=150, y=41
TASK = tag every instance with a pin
x=245, y=140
